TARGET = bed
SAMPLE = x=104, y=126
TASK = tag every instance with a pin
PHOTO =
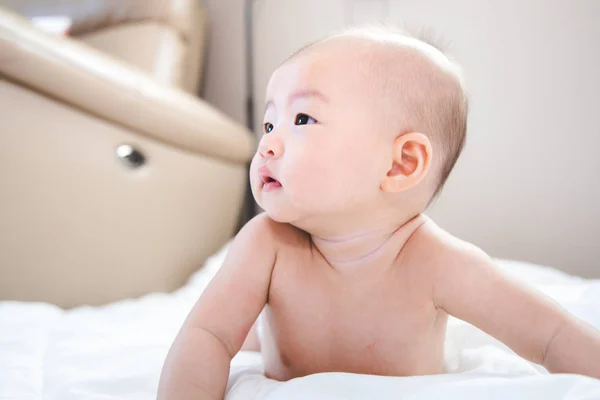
x=116, y=351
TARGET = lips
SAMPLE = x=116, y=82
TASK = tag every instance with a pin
x=269, y=182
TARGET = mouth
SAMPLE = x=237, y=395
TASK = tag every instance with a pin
x=268, y=181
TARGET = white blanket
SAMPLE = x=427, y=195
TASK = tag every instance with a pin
x=116, y=352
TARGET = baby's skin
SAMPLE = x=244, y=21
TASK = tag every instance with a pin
x=347, y=271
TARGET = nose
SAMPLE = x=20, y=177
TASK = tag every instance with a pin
x=270, y=146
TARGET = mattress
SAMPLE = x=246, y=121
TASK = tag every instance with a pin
x=117, y=351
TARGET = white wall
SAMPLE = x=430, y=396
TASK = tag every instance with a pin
x=527, y=184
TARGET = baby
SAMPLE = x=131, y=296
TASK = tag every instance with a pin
x=361, y=131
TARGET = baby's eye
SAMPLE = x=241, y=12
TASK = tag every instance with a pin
x=268, y=127
x=303, y=119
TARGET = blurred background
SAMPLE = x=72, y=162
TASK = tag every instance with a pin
x=126, y=127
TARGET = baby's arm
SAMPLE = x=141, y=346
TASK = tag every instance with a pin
x=197, y=366
x=470, y=288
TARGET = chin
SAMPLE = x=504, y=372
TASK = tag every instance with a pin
x=278, y=214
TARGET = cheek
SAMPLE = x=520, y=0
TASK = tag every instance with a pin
x=356, y=161
x=329, y=174
x=254, y=178
x=305, y=168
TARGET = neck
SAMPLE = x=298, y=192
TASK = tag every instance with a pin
x=358, y=248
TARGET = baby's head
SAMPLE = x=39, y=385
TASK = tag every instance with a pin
x=359, y=127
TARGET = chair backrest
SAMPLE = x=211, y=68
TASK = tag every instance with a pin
x=165, y=38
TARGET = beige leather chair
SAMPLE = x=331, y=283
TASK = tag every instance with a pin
x=165, y=38
x=114, y=182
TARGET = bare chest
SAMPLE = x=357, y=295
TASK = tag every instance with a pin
x=316, y=321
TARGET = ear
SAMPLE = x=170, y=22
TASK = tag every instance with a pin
x=411, y=162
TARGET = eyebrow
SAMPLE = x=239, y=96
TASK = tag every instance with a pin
x=300, y=94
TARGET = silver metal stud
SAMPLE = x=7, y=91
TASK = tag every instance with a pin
x=130, y=156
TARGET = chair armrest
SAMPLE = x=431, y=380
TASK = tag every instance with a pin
x=124, y=95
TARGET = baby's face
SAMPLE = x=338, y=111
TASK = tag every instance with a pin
x=322, y=153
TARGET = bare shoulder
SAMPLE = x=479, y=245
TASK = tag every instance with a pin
x=254, y=247
x=262, y=233
x=443, y=253
x=444, y=246
x=239, y=291
x=457, y=269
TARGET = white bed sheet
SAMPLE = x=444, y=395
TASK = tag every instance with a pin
x=116, y=352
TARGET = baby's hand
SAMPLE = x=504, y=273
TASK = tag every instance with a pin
x=197, y=366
